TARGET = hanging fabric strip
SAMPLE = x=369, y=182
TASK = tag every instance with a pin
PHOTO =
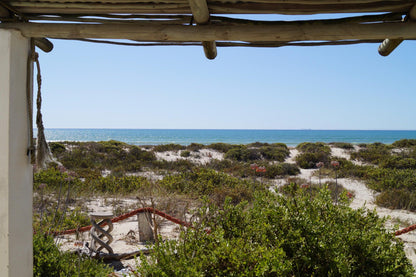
x=43, y=154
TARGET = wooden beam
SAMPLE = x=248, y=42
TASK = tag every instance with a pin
x=210, y=49
x=200, y=12
x=44, y=44
x=290, y=31
x=252, y=7
x=388, y=45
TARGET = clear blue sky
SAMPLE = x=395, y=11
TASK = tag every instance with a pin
x=87, y=85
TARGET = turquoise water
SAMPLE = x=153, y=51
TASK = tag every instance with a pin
x=185, y=137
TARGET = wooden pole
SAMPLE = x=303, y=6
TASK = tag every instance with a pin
x=231, y=7
x=388, y=45
x=44, y=44
x=200, y=12
x=294, y=31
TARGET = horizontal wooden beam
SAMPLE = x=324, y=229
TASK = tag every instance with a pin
x=229, y=7
x=388, y=45
x=321, y=2
x=293, y=31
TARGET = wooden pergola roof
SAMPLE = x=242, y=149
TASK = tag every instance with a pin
x=213, y=24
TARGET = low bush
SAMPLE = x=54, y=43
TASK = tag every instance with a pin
x=372, y=153
x=117, y=185
x=107, y=155
x=168, y=147
x=185, y=153
x=398, y=162
x=220, y=147
x=397, y=199
x=381, y=179
x=195, y=147
x=50, y=218
x=275, y=152
x=204, y=182
x=49, y=261
x=57, y=148
x=343, y=145
x=309, y=160
x=317, y=147
x=281, y=169
x=282, y=236
x=242, y=153
x=258, y=144
x=312, y=153
x=404, y=143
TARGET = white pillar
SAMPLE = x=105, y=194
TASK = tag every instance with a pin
x=15, y=170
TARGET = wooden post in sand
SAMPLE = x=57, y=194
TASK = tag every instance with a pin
x=145, y=228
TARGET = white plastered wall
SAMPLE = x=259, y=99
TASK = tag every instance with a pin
x=15, y=169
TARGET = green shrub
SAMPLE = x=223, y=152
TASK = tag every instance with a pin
x=317, y=147
x=168, y=147
x=275, y=152
x=195, y=147
x=309, y=160
x=381, y=179
x=185, y=153
x=397, y=199
x=404, y=143
x=348, y=169
x=281, y=169
x=282, y=236
x=57, y=220
x=372, y=153
x=398, y=163
x=258, y=144
x=242, y=153
x=118, y=157
x=136, y=153
x=117, y=185
x=204, y=182
x=343, y=145
x=48, y=261
x=57, y=148
x=220, y=147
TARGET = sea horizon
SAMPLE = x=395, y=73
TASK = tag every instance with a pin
x=290, y=137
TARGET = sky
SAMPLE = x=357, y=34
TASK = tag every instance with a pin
x=87, y=85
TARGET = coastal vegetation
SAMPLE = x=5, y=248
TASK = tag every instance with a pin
x=229, y=190
x=275, y=235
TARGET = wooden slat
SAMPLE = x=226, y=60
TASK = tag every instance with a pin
x=200, y=13
x=309, y=2
x=294, y=31
x=215, y=7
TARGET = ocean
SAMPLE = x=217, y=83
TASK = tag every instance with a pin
x=186, y=137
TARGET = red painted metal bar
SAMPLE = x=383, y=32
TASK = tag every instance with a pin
x=125, y=216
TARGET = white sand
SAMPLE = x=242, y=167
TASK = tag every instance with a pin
x=201, y=157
